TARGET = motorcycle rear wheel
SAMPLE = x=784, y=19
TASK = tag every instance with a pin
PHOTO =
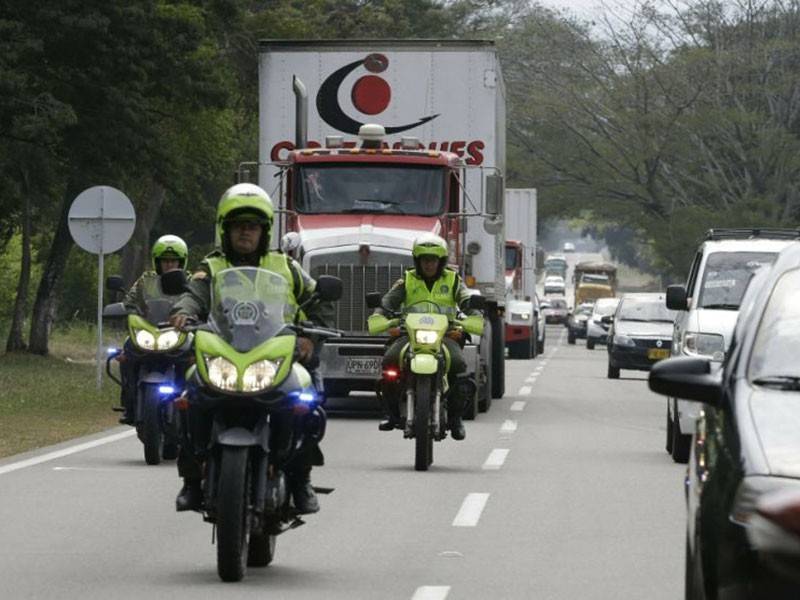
x=151, y=435
x=261, y=550
x=423, y=437
x=232, y=518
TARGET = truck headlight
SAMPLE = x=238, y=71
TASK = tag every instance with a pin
x=426, y=336
x=222, y=373
x=168, y=340
x=705, y=344
x=623, y=340
x=259, y=375
x=520, y=316
x=145, y=340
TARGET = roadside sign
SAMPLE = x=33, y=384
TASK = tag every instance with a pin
x=101, y=221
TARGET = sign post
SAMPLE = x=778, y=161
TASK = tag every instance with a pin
x=101, y=221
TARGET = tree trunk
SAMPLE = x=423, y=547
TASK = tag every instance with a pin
x=136, y=253
x=16, y=341
x=44, y=308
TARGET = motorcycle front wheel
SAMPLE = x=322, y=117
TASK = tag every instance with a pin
x=423, y=436
x=150, y=425
x=232, y=518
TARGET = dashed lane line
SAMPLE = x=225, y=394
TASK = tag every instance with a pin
x=525, y=390
x=431, y=592
x=508, y=426
x=517, y=406
x=470, y=512
x=495, y=459
x=36, y=460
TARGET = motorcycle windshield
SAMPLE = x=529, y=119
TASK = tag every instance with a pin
x=248, y=306
x=424, y=307
x=157, y=310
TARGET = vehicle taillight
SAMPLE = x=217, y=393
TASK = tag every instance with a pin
x=391, y=374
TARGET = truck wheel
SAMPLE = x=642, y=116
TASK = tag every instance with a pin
x=498, y=365
x=540, y=345
x=485, y=390
x=571, y=338
x=589, y=344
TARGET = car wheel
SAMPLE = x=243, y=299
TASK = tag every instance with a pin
x=571, y=338
x=669, y=431
x=681, y=443
x=589, y=344
x=613, y=372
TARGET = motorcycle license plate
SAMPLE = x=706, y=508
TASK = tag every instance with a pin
x=657, y=353
x=363, y=366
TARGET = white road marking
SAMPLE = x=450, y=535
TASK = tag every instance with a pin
x=531, y=379
x=525, y=390
x=431, y=592
x=518, y=405
x=94, y=468
x=470, y=512
x=508, y=426
x=538, y=370
x=496, y=459
x=22, y=464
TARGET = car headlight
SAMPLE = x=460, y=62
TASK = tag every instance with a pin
x=705, y=344
x=145, y=340
x=426, y=336
x=623, y=340
x=222, y=373
x=168, y=340
x=520, y=316
x=259, y=375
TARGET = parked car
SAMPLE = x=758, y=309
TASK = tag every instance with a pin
x=743, y=480
x=596, y=328
x=708, y=306
x=569, y=247
x=640, y=334
x=576, y=321
x=554, y=284
x=541, y=330
x=557, y=311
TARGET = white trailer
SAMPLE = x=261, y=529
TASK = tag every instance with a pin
x=520, y=267
x=449, y=95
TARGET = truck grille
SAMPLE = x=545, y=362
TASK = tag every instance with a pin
x=357, y=281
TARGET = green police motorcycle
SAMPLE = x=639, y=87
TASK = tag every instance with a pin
x=246, y=377
x=425, y=363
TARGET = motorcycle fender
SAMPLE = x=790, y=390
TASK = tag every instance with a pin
x=239, y=436
x=424, y=364
x=157, y=376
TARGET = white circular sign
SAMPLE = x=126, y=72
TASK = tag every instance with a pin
x=101, y=219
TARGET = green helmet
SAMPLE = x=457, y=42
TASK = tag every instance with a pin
x=244, y=202
x=429, y=244
x=169, y=246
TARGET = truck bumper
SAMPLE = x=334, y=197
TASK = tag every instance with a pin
x=516, y=333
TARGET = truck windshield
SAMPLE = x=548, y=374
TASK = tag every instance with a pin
x=598, y=278
x=511, y=257
x=385, y=189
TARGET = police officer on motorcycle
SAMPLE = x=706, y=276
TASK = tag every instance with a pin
x=243, y=226
x=429, y=281
x=169, y=253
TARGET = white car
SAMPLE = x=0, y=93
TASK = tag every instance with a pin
x=554, y=284
x=596, y=328
x=569, y=247
x=708, y=306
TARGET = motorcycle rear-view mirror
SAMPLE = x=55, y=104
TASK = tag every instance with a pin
x=373, y=299
x=477, y=302
x=173, y=283
x=329, y=288
x=115, y=283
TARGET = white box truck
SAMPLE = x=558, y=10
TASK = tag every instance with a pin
x=520, y=266
x=431, y=159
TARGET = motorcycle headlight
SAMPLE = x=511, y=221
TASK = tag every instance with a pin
x=222, y=373
x=259, y=375
x=168, y=340
x=623, y=340
x=705, y=344
x=145, y=340
x=426, y=336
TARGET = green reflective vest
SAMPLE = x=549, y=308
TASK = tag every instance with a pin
x=442, y=292
x=272, y=261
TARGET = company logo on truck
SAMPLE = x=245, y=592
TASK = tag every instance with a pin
x=371, y=95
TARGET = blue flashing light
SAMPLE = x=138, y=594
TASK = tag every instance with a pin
x=113, y=351
x=166, y=389
x=306, y=396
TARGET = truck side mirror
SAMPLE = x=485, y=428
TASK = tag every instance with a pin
x=374, y=299
x=173, y=283
x=329, y=288
x=115, y=283
x=608, y=319
x=476, y=302
x=495, y=194
x=676, y=297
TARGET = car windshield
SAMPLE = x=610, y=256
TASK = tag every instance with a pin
x=605, y=308
x=249, y=306
x=555, y=264
x=342, y=188
x=726, y=276
x=645, y=309
x=511, y=257
x=777, y=342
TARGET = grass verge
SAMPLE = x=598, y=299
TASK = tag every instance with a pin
x=46, y=400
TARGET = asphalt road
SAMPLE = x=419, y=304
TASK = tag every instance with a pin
x=563, y=490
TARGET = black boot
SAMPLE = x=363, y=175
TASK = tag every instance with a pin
x=126, y=419
x=391, y=423
x=457, y=428
x=191, y=495
x=303, y=494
